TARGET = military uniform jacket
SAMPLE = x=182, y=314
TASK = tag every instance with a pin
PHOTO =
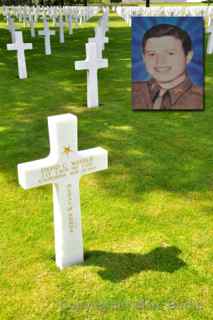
x=185, y=96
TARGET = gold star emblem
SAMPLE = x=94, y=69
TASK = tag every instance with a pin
x=67, y=150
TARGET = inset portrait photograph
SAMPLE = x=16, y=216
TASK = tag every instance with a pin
x=167, y=63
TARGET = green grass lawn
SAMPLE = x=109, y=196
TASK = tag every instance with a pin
x=147, y=220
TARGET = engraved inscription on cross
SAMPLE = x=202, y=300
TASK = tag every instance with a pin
x=63, y=168
x=92, y=64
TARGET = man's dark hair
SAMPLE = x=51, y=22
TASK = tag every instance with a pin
x=169, y=30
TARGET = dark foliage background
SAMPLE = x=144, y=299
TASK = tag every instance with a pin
x=42, y=2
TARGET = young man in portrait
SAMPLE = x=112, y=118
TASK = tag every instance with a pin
x=167, y=50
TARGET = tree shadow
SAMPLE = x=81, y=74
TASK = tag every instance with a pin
x=121, y=266
x=169, y=151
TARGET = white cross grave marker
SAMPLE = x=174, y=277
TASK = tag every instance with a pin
x=54, y=20
x=11, y=27
x=25, y=19
x=70, y=24
x=61, y=25
x=76, y=21
x=63, y=168
x=92, y=64
x=99, y=46
x=32, y=26
x=46, y=33
x=20, y=46
x=100, y=38
x=210, y=40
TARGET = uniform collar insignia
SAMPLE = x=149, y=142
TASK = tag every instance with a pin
x=179, y=90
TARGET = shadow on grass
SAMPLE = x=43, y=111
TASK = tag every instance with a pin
x=120, y=266
x=169, y=151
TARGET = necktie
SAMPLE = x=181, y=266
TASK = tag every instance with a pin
x=158, y=102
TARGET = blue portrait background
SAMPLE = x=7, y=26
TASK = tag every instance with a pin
x=194, y=26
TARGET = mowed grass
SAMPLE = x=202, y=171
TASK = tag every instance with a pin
x=147, y=220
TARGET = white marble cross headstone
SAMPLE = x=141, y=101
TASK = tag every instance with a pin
x=100, y=36
x=32, y=26
x=54, y=19
x=63, y=168
x=99, y=46
x=61, y=25
x=92, y=64
x=11, y=28
x=46, y=33
x=76, y=21
x=20, y=46
x=210, y=40
x=100, y=40
x=70, y=24
x=25, y=18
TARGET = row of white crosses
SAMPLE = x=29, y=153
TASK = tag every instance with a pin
x=61, y=24
x=205, y=11
x=31, y=20
x=47, y=33
x=20, y=46
x=127, y=12
x=63, y=168
x=94, y=61
x=31, y=15
x=22, y=12
x=100, y=30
